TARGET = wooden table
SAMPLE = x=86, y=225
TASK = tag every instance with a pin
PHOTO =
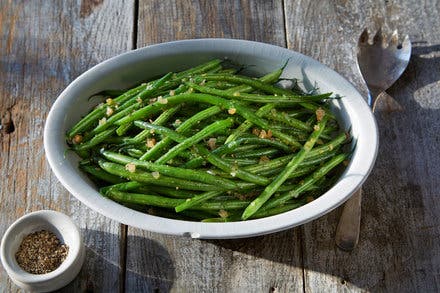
x=44, y=45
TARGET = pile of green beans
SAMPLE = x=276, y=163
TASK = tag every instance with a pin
x=208, y=144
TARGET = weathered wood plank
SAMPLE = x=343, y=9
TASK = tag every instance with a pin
x=399, y=245
x=44, y=46
x=262, y=264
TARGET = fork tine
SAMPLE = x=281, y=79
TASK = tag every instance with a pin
x=364, y=37
x=406, y=44
x=379, y=37
x=394, y=39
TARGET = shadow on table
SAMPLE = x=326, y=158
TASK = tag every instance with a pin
x=397, y=251
x=147, y=270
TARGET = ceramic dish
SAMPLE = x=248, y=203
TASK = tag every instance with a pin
x=65, y=230
x=133, y=67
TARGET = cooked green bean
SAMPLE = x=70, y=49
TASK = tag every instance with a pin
x=206, y=144
x=291, y=166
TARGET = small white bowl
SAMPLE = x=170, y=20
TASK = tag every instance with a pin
x=68, y=233
x=139, y=65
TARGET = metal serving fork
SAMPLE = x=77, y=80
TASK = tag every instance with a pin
x=381, y=64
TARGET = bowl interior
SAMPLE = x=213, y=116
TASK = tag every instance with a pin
x=137, y=66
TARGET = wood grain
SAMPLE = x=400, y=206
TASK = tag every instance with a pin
x=399, y=243
x=162, y=263
x=44, y=46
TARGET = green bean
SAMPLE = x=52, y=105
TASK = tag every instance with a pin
x=176, y=193
x=258, y=141
x=294, y=193
x=87, y=122
x=199, y=69
x=97, y=139
x=284, y=118
x=121, y=130
x=135, y=153
x=255, y=98
x=149, y=178
x=268, y=78
x=169, y=171
x=254, y=83
x=190, y=202
x=163, y=118
x=247, y=113
x=257, y=153
x=205, y=132
x=248, y=124
x=186, y=125
x=144, y=199
x=221, y=205
x=123, y=186
x=291, y=166
x=278, y=209
x=213, y=159
x=151, y=144
x=131, y=105
x=101, y=174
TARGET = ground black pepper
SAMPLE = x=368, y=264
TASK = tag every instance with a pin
x=41, y=252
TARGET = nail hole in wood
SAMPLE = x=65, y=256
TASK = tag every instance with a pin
x=7, y=126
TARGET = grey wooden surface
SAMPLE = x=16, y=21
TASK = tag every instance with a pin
x=44, y=45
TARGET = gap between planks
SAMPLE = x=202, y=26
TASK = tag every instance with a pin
x=124, y=228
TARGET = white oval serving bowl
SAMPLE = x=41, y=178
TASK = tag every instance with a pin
x=68, y=233
x=139, y=65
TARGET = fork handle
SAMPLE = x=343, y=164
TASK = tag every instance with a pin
x=347, y=232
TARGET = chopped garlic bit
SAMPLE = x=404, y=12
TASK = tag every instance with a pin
x=203, y=82
x=162, y=100
x=177, y=187
x=223, y=214
x=172, y=92
x=236, y=94
x=109, y=111
x=130, y=167
x=233, y=173
x=109, y=101
x=316, y=127
x=256, y=131
x=102, y=121
x=153, y=100
x=264, y=159
x=262, y=134
x=139, y=100
x=99, y=105
x=319, y=114
x=77, y=139
x=151, y=142
x=152, y=131
x=178, y=122
x=149, y=87
x=211, y=143
x=269, y=134
x=190, y=90
x=156, y=175
x=210, y=172
x=309, y=199
x=232, y=111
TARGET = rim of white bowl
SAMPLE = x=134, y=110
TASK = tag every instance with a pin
x=52, y=218
x=356, y=173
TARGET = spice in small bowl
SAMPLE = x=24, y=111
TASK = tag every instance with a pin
x=41, y=252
